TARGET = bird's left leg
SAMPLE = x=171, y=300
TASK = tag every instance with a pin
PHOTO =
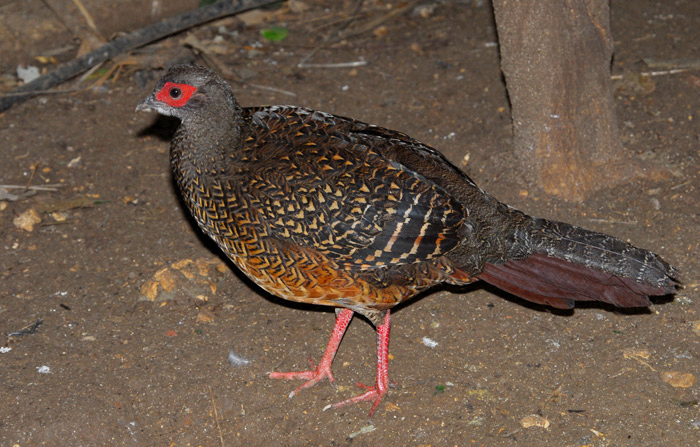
x=376, y=392
x=323, y=370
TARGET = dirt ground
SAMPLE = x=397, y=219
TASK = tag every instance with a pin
x=107, y=366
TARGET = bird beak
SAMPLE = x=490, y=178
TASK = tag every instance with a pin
x=146, y=105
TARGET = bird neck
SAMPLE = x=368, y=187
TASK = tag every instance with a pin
x=205, y=145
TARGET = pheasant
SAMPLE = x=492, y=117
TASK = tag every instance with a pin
x=322, y=209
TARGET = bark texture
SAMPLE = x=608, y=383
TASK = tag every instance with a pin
x=555, y=56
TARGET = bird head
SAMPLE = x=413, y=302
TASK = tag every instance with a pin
x=188, y=92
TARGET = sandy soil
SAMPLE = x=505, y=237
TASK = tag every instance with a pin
x=109, y=367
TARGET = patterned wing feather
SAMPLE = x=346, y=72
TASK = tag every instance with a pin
x=327, y=190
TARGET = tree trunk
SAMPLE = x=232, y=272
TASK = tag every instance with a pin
x=556, y=56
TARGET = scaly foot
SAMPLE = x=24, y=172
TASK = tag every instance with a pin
x=377, y=392
x=323, y=370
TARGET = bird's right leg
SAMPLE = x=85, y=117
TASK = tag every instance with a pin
x=323, y=370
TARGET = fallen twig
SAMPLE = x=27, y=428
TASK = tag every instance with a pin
x=38, y=92
x=359, y=63
x=35, y=188
x=655, y=73
x=216, y=417
x=29, y=329
x=671, y=66
x=128, y=42
x=686, y=64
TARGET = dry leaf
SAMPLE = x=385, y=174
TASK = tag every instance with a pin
x=27, y=220
x=254, y=17
x=678, y=379
x=204, y=316
x=150, y=289
x=203, y=266
x=184, y=267
x=185, y=278
x=380, y=31
x=59, y=216
x=181, y=264
x=165, y=277
x=392, y=407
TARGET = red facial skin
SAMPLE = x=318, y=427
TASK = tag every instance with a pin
x=175, y=95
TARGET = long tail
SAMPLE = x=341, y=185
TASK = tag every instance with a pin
x=567, y=264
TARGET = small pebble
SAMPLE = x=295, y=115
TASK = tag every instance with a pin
x=534, y=420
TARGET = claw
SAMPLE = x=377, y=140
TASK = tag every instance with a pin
x=374, y=393
x=323, y=370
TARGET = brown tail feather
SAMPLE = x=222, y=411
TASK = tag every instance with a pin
x=558, y=283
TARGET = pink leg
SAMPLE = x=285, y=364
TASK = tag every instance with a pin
x=377, y=392
x=323, y=369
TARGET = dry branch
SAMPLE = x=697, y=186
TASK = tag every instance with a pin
x=128, y=42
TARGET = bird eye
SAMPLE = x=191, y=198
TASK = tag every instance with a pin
x=175, y=93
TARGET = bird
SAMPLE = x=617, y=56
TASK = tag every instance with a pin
x=322, y=209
